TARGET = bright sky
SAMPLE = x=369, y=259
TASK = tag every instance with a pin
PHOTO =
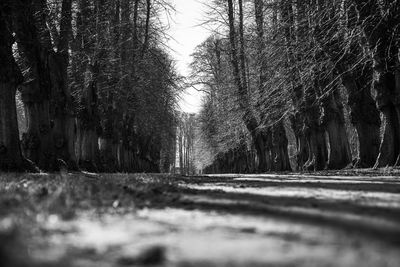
x=186, y=35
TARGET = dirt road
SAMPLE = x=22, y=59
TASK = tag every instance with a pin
x=229, y=220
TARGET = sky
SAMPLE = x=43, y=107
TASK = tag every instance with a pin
x=186, y=35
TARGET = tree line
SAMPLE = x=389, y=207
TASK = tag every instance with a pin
x=97, y=87
x=300, y=84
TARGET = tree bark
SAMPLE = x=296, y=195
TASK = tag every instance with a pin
x=46, y=95
x=62, y=112
x=280, y=152
x=298, y=90
x=355, y=78
x=317, y=150
x=314, y=132
x=301, y=140
x=265, y=149
x=86, y=71
x=38, y=141
x=11, y=158
x=88, y=123
x=385, y=53
x=109, y=140
x=239, y=73
x=333, y=119
x=364, y=116
x=364, y=113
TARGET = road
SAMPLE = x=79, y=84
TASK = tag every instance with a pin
x=230, y=220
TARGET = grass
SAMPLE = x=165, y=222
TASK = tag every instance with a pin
x=27, y=200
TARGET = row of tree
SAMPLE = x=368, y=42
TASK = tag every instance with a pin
x=186, y=143
x=288, y=82
x=98, y=89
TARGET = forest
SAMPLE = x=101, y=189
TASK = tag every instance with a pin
x=299, y=85
x=287, y=85
x=87, y=84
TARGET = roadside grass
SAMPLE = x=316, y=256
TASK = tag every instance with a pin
x=27, y=201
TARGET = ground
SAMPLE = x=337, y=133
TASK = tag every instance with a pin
x=327, y=219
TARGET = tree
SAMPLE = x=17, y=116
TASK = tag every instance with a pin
x=91, y=84
x=46, y=93
x=11, y=158
x=34, y=44
x=337, y=35
x=291, y=78
x=276, y=154
x=378, y=19
x=239, y=73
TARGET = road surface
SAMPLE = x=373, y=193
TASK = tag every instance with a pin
x=220, y=220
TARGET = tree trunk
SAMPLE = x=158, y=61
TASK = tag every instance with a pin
x=339, y=153
x=317, y=150
x=181, y=167
x=364, y=116
x=332, y=115
x=267, y=150
x=11, y=158
x=239, y=73
x=314, y=131
x=37, y=143
x=86, y=73
x=280, y=153
x=389, y=148
x=62, y=113
x=109, y=142
x=261, y=139
x=300, y=120
x=264, y=147
x=302, y=151
x=385, y=52
x=356, y=79
x=301, y=140
x=88, y=149
x=46, y=95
